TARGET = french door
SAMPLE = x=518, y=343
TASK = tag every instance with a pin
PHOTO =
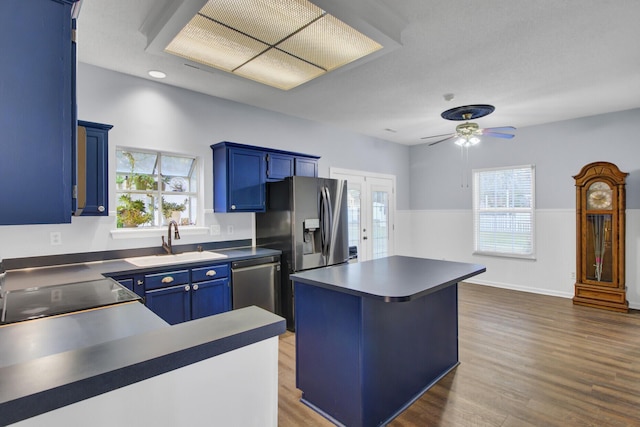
x=371, y=212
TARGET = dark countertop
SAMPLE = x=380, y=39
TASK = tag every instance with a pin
x=392, y=279
x=29, y=388
x=55, y=361
x=30, y=340
x=79, y=272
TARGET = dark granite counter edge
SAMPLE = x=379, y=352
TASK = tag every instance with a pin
x=387, y=298
x=41, y=385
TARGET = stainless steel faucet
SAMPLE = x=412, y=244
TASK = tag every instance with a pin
x=167, y=245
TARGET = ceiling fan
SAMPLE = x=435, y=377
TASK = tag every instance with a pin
x=468, y=133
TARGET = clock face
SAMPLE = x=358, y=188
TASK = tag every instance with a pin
x=599, y=196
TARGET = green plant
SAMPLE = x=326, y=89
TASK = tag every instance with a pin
x=143, y=181
x=132, y=213
x=169, y=207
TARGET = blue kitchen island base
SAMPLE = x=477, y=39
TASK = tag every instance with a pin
x=362, y=358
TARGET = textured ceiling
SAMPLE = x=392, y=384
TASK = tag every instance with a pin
x=536, y=61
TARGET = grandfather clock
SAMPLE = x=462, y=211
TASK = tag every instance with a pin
x=600, y=226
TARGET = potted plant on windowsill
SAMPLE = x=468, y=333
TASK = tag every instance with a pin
x=131, y=213
x=171, y=211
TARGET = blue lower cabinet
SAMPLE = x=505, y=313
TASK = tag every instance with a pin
x=172, y=304
x=209, y=298
x=181, y=295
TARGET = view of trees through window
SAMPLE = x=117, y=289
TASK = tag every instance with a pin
x=153, y=188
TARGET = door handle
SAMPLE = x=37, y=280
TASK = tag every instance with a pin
x=167, y=279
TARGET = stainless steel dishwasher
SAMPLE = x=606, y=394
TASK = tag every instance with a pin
x=255, y=282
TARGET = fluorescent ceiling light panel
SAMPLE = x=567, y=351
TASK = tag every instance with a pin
x=281, y=43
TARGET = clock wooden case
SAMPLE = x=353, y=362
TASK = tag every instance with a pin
x=600, y=237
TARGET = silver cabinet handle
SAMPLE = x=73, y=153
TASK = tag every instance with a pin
x=140, y=282
x=195, y=287
x=100, y=208
x=186, y=288
x=167, y=279
x=210, y=273
x=233, y=206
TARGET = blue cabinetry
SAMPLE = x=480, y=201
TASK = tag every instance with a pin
x=37, y=111
x=280, y=166
x=245, y=183
x=240, y=173
x=93, y=168
x=179, y=295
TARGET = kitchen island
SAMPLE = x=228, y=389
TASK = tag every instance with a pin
x=372, y=337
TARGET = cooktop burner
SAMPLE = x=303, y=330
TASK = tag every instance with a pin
x=34, y=303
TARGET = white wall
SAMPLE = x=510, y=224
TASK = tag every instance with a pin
x=238, y=388
x=448, y=234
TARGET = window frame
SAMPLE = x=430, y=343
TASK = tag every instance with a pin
x=195, y=193
x=477, y=210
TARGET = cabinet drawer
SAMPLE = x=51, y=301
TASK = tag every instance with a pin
x=169, y=278
x=208, y=273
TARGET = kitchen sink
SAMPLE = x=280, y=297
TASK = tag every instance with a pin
x=156, y=260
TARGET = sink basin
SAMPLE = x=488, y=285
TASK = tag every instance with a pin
x=154, y=260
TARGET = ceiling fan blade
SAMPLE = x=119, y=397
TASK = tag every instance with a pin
x=498, y=135
x=438, y=136
x=443, y=140
x=499, y=129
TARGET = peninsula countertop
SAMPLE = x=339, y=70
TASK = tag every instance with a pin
x=392, y=279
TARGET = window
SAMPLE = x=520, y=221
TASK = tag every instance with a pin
x=153, y=188
x=504, y=211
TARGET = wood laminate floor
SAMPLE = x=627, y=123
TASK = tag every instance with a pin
x=525, y=360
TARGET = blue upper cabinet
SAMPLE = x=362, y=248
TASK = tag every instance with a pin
x=240, y=174
x=93, y=169
x=37, y=111
x=279, y=166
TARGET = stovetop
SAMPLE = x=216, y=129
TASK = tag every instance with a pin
x=34, y=303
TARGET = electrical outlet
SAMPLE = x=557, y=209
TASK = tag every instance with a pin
x=55, y=237
x=215, y=230
x=573, y=275
x=229, y=229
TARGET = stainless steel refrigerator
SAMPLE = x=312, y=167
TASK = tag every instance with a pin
x=305, y=218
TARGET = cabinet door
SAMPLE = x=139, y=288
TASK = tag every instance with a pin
x=247, y=177
x=172, y=304
x=37, y=127
x=210, y=297
x=279, y=166
x=93, y=141
x=306, y=167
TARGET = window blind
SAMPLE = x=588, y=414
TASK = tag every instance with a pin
x=504, y=211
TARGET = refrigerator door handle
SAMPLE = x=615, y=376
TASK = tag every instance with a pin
x=325, y=220
x=329, y=219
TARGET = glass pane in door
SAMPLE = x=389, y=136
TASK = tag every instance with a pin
x=380, y=223
x=353, y=212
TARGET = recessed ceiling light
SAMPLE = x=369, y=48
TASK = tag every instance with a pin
x=157, y=74
x=278, y=43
